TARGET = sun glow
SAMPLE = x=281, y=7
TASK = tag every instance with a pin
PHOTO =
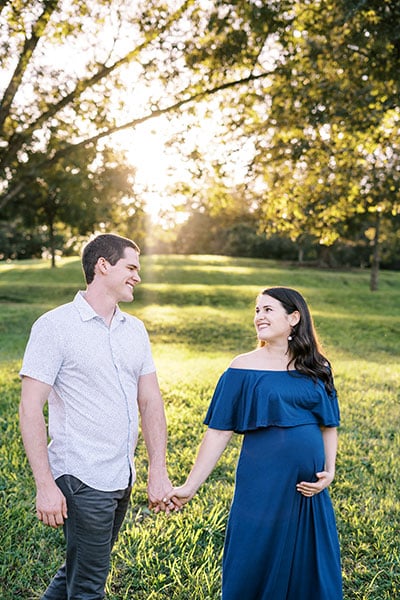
x=156, y=169
x=160, y=166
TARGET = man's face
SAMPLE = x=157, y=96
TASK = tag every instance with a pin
x=123, y=276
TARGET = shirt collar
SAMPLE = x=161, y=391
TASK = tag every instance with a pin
x=87, y=312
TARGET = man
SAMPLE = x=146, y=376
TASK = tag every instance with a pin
x=92, y=363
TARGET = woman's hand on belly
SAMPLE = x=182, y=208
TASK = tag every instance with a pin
x=309, y=489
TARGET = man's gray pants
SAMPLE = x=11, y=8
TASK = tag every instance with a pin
x=94, y=519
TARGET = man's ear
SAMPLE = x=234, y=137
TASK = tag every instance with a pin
x=101, y=266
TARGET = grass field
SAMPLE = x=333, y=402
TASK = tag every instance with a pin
x=198, y=311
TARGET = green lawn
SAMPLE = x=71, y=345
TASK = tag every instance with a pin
x=199, y=311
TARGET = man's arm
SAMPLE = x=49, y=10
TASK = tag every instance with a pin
x=154, y=429
x=51, y=507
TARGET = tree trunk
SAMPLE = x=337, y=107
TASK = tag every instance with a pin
x=52, y=244
x=373, y=285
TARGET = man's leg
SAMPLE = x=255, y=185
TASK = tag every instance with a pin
x=94, y=519
x=57, y=589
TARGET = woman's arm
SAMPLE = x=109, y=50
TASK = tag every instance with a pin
x=330, y=438
x=213, y=444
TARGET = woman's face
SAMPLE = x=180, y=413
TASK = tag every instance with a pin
x=271, y=320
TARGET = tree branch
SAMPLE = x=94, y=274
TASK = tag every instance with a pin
x=131, y=124
x=154, y=114
x=24, y=59
x=17, y=139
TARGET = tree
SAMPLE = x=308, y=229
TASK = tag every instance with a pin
x=322, y=130
x=329, y=149
x=79, y=193
x=78, y=66
x=312, y=88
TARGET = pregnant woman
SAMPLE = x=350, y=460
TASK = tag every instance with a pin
x=281, y=540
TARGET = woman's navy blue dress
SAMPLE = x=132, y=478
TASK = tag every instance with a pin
x=279, y=545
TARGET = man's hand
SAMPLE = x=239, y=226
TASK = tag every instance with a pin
x=158, y=490
x=51, y=506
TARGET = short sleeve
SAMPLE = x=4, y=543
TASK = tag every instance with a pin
x=148, y=365
x=221, y=413
x=327, y=409
x=43, y=354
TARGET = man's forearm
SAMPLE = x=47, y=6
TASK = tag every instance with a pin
x=154, y=429
x=34, y=437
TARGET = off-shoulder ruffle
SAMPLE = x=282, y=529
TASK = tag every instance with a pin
x=246, y=399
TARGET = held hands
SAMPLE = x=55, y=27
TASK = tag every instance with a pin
x=159, y=491
x=166, y=505
x=174, y=500
x=309, y=489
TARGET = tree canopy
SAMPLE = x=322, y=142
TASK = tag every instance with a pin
x=305, y=96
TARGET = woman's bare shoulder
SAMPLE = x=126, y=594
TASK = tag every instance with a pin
x=247, y=360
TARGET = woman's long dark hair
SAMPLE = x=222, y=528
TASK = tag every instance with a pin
x=304, y=347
